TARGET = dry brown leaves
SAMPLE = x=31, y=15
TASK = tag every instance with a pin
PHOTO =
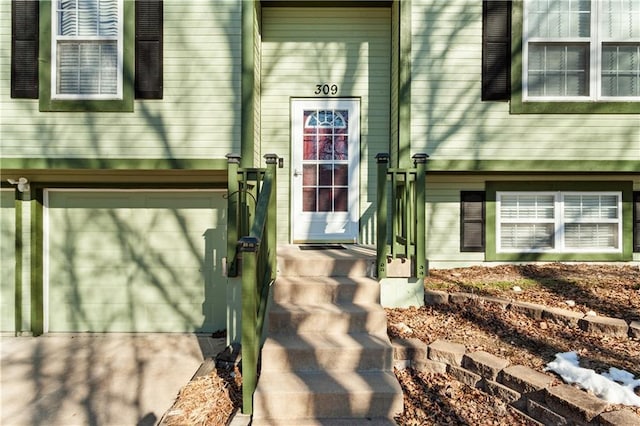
x=608, y=290
x=208, y=400
x=513, y=336
x=436, y=399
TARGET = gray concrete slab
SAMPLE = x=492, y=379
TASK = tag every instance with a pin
x=96, y=379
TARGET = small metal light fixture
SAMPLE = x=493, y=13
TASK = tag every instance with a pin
x=22, y=183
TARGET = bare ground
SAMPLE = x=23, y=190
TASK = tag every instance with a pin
x=435, y=399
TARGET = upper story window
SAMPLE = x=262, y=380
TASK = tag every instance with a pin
x=577, y=50
x=87, y=49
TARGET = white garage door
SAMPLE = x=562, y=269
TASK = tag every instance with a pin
x=135, y=261
x=7, y=260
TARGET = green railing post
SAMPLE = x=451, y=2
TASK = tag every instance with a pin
x=420, y=162
x=407, y=218
x=399, y=184
x=248, y=246
x=258, y=251
x=381, y=213
x=272, y=214
x=233, y=162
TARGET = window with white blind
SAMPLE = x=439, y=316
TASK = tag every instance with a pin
x=581, y=50
x=87, y=46
x=559, y=222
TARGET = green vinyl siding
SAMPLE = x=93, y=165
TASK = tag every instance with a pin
x=443, y=221
x=135, y=261
x=250, y=110
x=395, y=84
x=349, y=47
x=449, y=122
x=443, y=213
x=405, y=90
x=7, y=260
x=198, y=117
x=257, y=54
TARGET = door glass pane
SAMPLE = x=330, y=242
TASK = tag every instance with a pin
x=310, y=147
x=341, y=130
x=340, y=175
x=341, y=147
x=309, y=174
x=325, y=177
x=325, y=145
x=341, y=200
x=325, y=198
x=309, y=201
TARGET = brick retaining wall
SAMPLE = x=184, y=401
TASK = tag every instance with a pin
x=542, y=397
x=537, y=395
x=591, y=324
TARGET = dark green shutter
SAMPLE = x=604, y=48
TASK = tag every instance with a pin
x=636, y=221
x=149, y=32
x=472, y=219
x=24, y=49
x=496, y=50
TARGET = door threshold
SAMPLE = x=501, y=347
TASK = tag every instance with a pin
x=316, y=246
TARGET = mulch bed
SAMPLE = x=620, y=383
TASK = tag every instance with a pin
x=211, y=399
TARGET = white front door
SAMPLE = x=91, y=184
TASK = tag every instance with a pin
x=325, y=137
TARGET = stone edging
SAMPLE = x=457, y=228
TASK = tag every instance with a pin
x=536, y=395
x=591, y=324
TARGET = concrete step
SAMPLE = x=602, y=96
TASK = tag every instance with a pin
x=329, y=352
x=305, y=396
x=303, y=290
x=327, y=359
x=354, y=261
x=287, y=318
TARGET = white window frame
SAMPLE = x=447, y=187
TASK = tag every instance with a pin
x=55, y=39
x=594, y=42
x=559, y=222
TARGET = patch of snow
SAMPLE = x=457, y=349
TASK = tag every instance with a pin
x=404, y=328
x=615, y=387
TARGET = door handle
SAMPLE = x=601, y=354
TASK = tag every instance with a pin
x=296, y=172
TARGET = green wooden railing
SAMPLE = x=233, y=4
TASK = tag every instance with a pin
x=252, y=201
x=401, y=231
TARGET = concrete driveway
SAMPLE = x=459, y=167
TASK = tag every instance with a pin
x=96, y=379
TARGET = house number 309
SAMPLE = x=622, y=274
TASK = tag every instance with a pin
x=326, y=89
